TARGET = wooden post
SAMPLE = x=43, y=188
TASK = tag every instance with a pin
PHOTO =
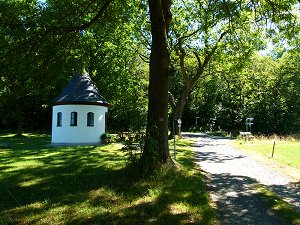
x=273, y=149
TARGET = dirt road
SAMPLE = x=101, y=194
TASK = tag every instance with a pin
x=232, y=180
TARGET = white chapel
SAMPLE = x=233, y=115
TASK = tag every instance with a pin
x=79, y=113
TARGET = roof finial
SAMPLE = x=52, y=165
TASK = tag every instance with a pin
x=82, y=68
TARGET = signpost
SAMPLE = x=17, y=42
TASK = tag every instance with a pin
x=249, y=124
x=248, y=128
x=197, y=117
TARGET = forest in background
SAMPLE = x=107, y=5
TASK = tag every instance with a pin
x=40, y=48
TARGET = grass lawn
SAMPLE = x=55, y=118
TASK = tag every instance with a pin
x=40, y=184
x=286, y=152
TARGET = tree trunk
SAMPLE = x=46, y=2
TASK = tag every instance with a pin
x=178, y=110
x=156, y=150
x=20, y=126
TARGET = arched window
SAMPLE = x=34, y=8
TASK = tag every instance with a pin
x=90, y=119
x=59, y=119
x=73, y=119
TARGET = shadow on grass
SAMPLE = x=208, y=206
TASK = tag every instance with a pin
x=166, y=209
x=290, y=192
x=92, y=185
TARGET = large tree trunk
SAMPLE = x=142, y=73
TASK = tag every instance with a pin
x=156, y=151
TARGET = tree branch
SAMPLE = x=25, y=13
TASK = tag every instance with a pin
x=67, y=28
x=143, y=57
x=207, y=58
x=189, y=35
x=181, y=53
x=172, y=101
x=148, y=43
x=97, y=17
x=219, y=40
x=198, y=59
x=62, y=30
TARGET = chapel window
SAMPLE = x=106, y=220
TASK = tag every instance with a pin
x=59, y=119
x=90, y=119
x=73, y=119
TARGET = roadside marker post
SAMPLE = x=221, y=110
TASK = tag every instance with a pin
x=273, y=149
x=179, y=126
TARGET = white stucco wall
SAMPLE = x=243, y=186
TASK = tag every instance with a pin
x=81, y=133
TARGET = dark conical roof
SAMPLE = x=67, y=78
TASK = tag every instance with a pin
x=80, y=90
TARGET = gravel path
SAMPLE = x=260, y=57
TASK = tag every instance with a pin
x=232, y=177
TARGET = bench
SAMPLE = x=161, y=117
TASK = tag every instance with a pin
x=247, y=135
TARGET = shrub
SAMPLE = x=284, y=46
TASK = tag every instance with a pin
x=106, y=136
x=4, y=146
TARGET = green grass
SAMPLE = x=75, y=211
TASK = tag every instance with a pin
x=276, y=204
x=40, y=184
x=287, y=151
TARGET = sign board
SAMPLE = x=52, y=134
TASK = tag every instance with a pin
x=179, y=122
x=249, y=123
x=245, y=133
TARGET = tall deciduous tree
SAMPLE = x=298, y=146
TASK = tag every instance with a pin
x=156, y=149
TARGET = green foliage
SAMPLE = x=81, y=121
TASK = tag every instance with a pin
x=263, y=88
x=5, y=146
x=134, y=145
x=48, y=43
x=269, y=95
x=105, y=136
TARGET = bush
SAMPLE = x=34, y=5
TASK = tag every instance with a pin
x=105, y=136
x=134, y=145
x=5, y=146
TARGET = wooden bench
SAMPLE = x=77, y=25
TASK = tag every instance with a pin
x=247, y=135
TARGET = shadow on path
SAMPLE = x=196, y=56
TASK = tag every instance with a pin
x=238, y=202
x=214, y=157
